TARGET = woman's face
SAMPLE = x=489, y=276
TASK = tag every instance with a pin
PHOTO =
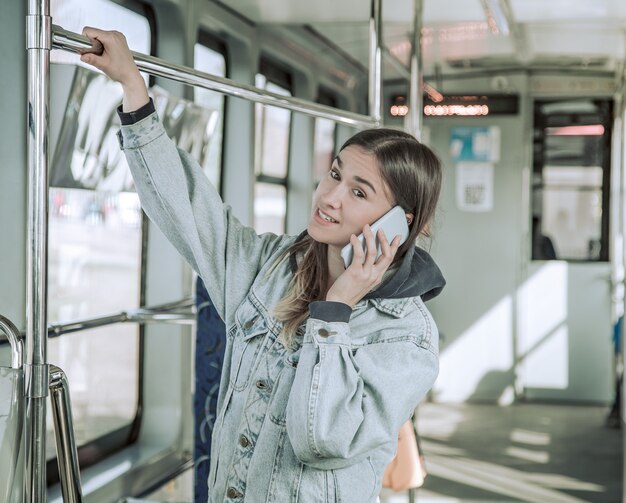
x=351, y=195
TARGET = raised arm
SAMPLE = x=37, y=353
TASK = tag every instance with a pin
x=175, y=193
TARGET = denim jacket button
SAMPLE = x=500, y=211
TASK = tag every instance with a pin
x=262, y=385
x=323, y=332
x=243, y=441
x=233, y=493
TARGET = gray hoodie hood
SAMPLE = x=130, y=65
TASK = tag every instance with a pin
x=417, y=276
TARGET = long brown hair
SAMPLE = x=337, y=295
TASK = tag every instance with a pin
x=412, y=172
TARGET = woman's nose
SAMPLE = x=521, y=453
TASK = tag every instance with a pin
x=333, y=196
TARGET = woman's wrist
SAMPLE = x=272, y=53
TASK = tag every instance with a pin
x=135, y=94
x=335, y=298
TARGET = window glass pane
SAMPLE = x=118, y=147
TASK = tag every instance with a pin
x=270, y=206
x=567, y=149
x=572, y=220
x=324, y=147
x=73, y=15
x=272, y=133
x=94, y=268
x=213, y=62
x=572, y=176
x=95, y=235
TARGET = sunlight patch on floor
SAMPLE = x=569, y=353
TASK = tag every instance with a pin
x=507, y=482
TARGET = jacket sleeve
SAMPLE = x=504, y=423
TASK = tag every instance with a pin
x=346, y=402
x=180, y=200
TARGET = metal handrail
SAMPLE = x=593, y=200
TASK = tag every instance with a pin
x=67, y=455
x=166, y=313
x=14, y=336
x=174, y=312
x=73, y=42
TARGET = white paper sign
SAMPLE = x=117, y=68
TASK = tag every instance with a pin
x=474, y=186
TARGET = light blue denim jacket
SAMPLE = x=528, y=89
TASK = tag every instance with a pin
x=318, y=423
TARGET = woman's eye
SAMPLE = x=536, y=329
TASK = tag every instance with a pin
x=334, y=174
x=359, y=193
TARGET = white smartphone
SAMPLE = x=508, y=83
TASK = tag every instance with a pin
x=393, y=223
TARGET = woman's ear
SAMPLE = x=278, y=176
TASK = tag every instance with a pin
x=409, y=218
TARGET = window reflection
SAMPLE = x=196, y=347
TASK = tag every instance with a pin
x=211, y=61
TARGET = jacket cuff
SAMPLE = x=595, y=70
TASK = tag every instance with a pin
x=330, y=311
x=141, y=133
x=128, y=118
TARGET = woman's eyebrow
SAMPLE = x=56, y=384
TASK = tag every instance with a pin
x=365, y=182
x=357, y=178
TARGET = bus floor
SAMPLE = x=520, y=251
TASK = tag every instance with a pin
x=526, y=452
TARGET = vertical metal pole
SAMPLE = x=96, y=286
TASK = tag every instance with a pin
x=67, y=456
x=375, y=76
x=39, y=37
x=622, y=344
x=416, y=83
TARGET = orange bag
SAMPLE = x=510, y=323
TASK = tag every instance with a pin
x=407, y=469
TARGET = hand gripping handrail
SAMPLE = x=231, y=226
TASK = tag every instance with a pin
x=67, y=455
x=14, y=337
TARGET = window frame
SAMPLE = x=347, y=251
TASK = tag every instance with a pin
x=605, y=109
x=214, y=43
x=277, y=74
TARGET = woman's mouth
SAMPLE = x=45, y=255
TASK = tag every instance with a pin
x=325, y=217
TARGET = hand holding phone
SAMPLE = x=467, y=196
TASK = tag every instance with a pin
x=393, y=223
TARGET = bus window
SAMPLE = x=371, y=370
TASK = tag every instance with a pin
x=572, y=144
x=324, y=139
x=95, y=245
x=73, y=15
x=209, y=57
x=272, y=132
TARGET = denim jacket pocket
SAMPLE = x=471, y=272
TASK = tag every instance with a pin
x=280, y=395
x=247, y=345
x=356, y=482
x=317, y=485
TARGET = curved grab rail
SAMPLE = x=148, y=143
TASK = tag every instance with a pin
x=67, y=455
x=14, y=337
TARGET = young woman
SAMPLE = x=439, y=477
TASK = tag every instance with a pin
x=323, y=363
